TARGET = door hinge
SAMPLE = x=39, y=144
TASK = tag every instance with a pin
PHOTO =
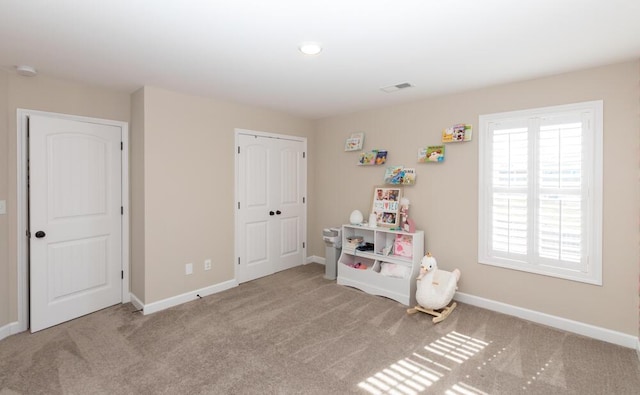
x=304, y=155
x=121, y=146
x=121, y=210
x=238, y=205
x=238, y=149
x=303, y=244
x=28, y=234
x=122, y=274
x=304, y=199
x=238, y=260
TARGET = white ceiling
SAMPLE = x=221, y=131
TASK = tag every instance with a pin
x=246, y=50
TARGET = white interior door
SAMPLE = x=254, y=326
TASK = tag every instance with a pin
x=271, y=218
x=74, y=219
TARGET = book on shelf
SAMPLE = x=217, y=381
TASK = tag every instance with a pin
x=403, y=246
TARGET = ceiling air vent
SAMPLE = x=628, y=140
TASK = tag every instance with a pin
x=395, y=88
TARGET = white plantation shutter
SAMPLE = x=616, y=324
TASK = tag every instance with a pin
x=510, y=177
x=560, y=194
x=540, y=198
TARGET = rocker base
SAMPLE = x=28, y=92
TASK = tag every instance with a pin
x=439, y=315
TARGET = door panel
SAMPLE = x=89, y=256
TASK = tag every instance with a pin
x=290, y=203
x=257, y=250
x=69, y=275
x=289, y=236
x=256, y=173
x=271, y=183
x=75, y=199
x=69, y=196
x=255, y=224
x=290, y=177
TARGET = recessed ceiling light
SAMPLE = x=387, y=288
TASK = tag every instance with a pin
x=310, y=48
x=26, y=71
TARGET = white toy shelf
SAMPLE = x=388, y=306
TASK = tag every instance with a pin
x=389, y=269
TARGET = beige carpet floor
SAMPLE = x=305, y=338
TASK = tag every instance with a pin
x=296, y=333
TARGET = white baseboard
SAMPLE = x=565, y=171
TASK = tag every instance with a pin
x=183, y=298
x=9, y=329
x=607, y=335
x=316, y=259
x=136, y=302
x=638, y=348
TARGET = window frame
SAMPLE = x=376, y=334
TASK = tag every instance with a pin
x=591, y=267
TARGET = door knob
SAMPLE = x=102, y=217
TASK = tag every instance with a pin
x=278, y=212
x=40, y=234
x=271, y=213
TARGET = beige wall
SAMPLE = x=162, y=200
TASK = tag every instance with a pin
x=445, y=198
x=137, y=194
x=189, y=186
x=44, y=94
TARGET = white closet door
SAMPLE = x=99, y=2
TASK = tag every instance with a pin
x=288, y=201
x=271, y=221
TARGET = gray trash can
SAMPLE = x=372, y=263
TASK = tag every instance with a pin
x=333, y=246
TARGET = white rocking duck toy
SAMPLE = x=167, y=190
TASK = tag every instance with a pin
x=435, y=289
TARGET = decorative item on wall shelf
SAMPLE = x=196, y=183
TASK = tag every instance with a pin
x=375, y=157
x=386, y=206
x=399, y=175
x=354, y=143
x=457, y=133
x=434, y=153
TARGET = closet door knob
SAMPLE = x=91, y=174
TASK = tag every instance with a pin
x=271, y=213
x=278, y=212
x=40, y=234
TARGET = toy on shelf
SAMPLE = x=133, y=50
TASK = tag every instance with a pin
x=356, y=217
x=358, y=265
x=406, y=224
x=435, y=289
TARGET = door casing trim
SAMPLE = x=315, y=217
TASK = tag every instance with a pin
x=22, y=205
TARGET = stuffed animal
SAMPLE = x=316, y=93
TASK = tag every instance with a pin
x=435, y=289
x=394, y=270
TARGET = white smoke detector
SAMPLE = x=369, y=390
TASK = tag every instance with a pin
x=26, y=71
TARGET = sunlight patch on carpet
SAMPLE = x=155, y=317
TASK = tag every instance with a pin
x=415, y=374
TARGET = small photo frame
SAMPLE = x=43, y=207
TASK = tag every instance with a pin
x=354, y=143
x=386, y=206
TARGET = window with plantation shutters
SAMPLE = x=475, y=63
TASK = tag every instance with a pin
x=540, y=191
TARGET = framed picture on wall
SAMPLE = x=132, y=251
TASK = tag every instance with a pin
x=386, y=206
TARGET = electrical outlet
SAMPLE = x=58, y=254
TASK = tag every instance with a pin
x=207, y=264
x=188, y=268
